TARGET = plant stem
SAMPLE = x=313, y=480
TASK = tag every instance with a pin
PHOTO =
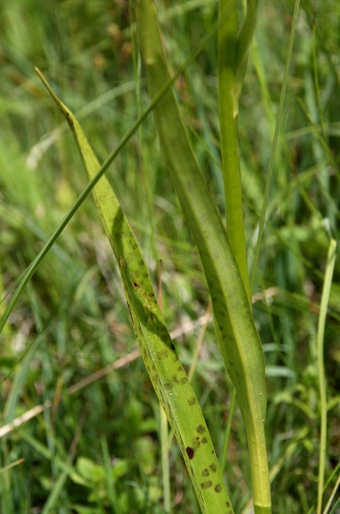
x=227, y=53
x=322, y=379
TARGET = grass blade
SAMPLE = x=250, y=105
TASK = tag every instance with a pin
x=322, y=379
x=167, y=375
x=108, y=476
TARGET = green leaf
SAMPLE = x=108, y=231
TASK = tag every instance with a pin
x=162, y=363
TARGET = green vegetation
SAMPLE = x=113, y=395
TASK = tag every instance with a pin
x=97, y=442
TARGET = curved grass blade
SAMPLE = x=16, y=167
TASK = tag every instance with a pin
x=167, y=375
x=237, y=334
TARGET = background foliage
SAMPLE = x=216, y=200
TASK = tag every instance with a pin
x=97, y=450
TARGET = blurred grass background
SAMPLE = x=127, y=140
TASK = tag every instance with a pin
x=98, y=450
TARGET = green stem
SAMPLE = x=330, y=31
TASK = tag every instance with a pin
x=227, y=53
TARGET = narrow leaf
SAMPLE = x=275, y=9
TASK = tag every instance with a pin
x=166, y=372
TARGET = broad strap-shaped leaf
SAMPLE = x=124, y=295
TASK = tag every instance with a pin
x=166, y=372
x=237, y=334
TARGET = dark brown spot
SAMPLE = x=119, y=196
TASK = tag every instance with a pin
x=184, y=380
x=218, y=488
x=207, y=484
x=204, y=440
x=200, y=429
x=213, y=468
x=192, y=401
x=205, y=472
x=190, y=452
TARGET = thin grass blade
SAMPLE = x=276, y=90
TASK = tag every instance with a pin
x=321, y=368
